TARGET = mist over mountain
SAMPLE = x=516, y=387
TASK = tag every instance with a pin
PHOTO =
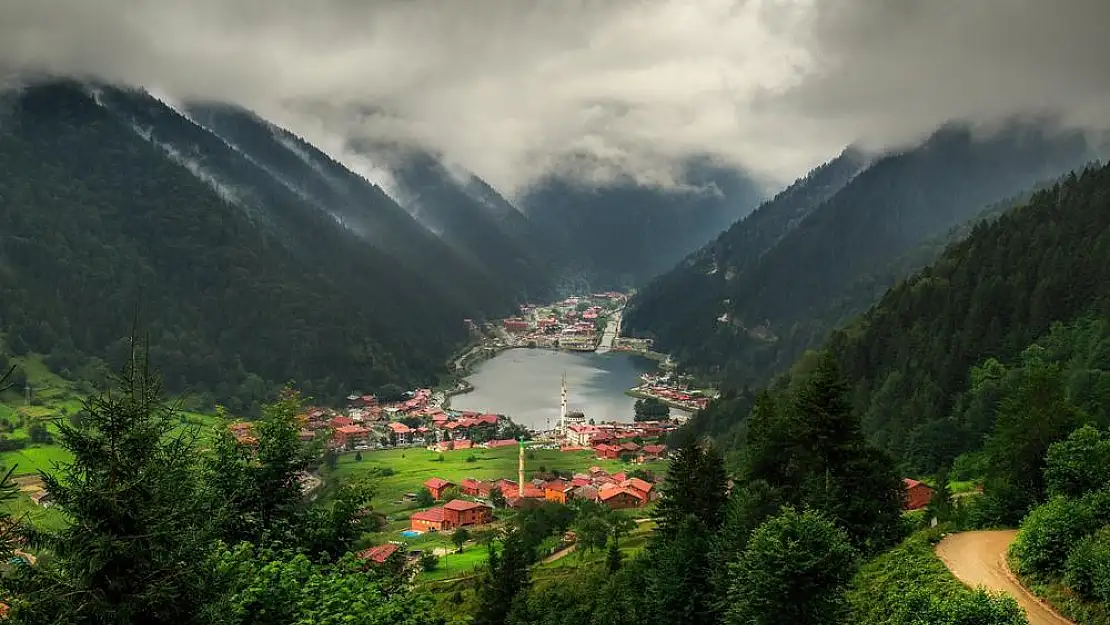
x=747, y=306
x=620, y=235
x=228, y=244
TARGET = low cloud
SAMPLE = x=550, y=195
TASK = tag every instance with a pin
x=591, y=88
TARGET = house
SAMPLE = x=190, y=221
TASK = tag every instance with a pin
x=349, y=434
x=642, y=487
x=652, y=452
x=515, y=325
x=436, y=486
x=608, y=452
x=619, y=477
x=619, y=498
x=587, y=493
x=378, y=554
x=401, y=432
x=556, y=491
x=476, y=488
x=918, y=494
x=461, y=513
x=340, y=421
x=430, y=520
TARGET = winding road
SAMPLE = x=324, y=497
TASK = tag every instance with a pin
x=979, y=559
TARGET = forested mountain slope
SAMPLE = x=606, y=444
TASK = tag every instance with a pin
x=474, y=220
x=808, y=282
x=100, y=223
x=624, y=234
x=910, y=359
x=320, y=183
x=679, y=305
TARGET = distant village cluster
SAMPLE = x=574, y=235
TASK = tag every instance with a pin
x=673, y=391
x=416, y=421
x=573, y=323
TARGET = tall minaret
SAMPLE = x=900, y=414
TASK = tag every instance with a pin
x=563, y=408
x=520, y=470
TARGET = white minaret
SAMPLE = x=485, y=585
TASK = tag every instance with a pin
x=563, y=408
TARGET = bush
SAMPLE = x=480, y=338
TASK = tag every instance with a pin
x=1051, y=531
x=429, y=562
x=472, y=458
x=1087, y=571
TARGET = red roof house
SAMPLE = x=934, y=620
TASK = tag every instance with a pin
x=918, y=494
x=338, y=422
x=476, y=488
x=618, y=498
x=436, y=486
x=378, y=554
x=461, y=513
x=432, y=519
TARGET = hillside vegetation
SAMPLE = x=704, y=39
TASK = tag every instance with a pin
x=764, y=307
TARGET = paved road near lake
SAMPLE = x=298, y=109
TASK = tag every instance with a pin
x=979, y=559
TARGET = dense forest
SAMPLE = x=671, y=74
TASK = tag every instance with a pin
x=116, y=210
x=769, y=306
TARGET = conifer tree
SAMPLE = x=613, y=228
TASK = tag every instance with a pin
x=502, y=581
x=136, y=541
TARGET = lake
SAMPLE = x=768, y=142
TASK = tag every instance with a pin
x=523, y=384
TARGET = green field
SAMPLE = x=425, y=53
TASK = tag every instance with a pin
x=55, y=398
x=412, y=467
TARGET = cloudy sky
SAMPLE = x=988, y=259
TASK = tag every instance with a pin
x=514, y=89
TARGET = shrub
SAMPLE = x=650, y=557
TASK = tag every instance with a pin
x=1051, y=531
x=1087, y=571
x=472, y=458
x=428, y=562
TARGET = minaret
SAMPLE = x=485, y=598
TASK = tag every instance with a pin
x=563, y=408
x=520, y=470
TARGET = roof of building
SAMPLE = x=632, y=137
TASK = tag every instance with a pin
x=911, y=483
x=431, y=514
x=437, y=482
x=620, y=477
x=378, y=554
x=341, y=421
x=558, y=485
x=608, y=493
x=584, y=492
x=636, y=483
x=462, y=505
x=504, y=442
x=399, y=428
x=351, y=429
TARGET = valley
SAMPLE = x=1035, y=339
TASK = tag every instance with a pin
x=631, y=348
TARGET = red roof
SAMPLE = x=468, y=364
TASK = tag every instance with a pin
x=351, y=429
x=655, y=449
x=434, y=515
x=620, y=477
x=378, y=554
x=341, y=421
x=399, y=428
x=504, y=442
x=638, y=484
x=580, y=481
x=461, y=505
x=608, y=493
x=913, y=483
x=437, y=482
x=560, y=486
x=630, y=446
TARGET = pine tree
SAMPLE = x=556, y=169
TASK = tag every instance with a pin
x=135, y=546
x=613, y=556
x=504, y=578
x=696, y=485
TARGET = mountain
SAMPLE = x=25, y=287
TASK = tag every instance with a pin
x=471, y=217
x=366, y=209
x=922, y=362
x=679, y=305
x=244, y=275
x=623, y=234
x=764, y=307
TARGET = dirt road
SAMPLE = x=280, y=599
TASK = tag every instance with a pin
x=979, y=559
